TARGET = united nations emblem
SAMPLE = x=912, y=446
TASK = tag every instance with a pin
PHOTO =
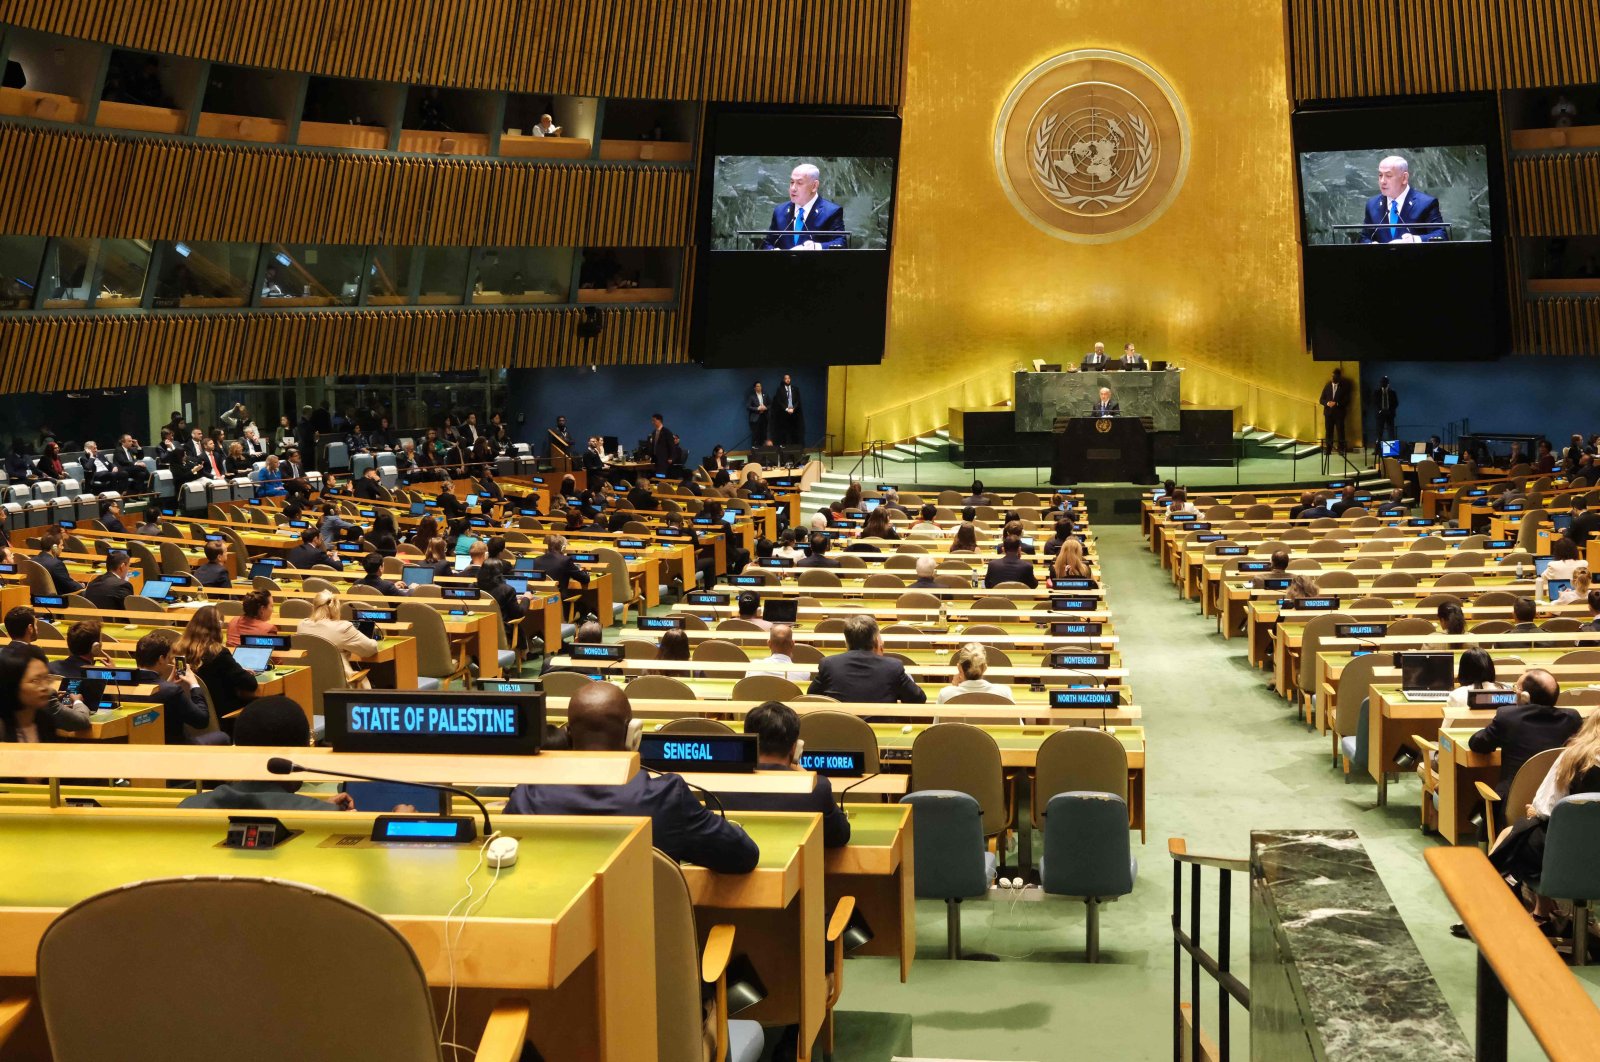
x=1103, y=426
x=1092, y=146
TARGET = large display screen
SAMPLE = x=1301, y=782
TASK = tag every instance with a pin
x=795, y=228
x=1399, y=215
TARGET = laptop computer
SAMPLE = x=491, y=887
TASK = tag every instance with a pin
x=1561, y=522
x=156, y=590
x=1557, y=587
x=254, y=658
x=1452, y=459
x=1389, y=448
x=462, y=562
x=1425, y=676
x=416, y=574
x=780, y=609
x=1540, y=564
x=472, y=501
x=418, y=508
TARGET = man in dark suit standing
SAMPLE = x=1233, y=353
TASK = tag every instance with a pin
x=1399, y=213
x=111, y=588
x=1385, y=403
x=756, y=407
x=600, y=719
x=862, y=674
x=788, y=419
x=805, y=216
x=1527, y=728
x=661, y=446
x=1107, y=406
x=1009, y=567
x=1335, y=399
x=594, y=463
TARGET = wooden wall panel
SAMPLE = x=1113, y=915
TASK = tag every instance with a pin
x=800, y=51
x=1556, y=194
x=62, y=351
x=1358, y=48
x=68, y=183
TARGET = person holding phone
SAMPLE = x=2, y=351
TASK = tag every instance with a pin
x=183, y=702
x=32, y=709
x=778, y=748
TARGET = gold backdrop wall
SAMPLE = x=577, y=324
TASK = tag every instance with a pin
x=1213, y=285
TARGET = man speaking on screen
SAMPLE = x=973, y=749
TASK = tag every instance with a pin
x=797, y=223
x=1400, y=213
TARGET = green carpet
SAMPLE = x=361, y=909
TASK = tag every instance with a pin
x=1225, y=757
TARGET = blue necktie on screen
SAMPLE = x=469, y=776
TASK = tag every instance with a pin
x=799, y=224
x=1394, y=219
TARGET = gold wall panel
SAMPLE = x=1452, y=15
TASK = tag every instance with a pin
x=832, y=51
x=1213, y=285
x=61, y=351
x=68, y=183
x=1555, y=194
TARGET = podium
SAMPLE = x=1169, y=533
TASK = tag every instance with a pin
x=1102, y=449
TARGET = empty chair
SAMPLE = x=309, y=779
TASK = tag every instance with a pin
x=1370, y=601
x=681, y=970
x=1086, y=854
x=737, y=624
x=1413, y=559
x=1375, y=545
x=1433, y=601
x=1490, y=626
x=1078, y=759
x=660, y=688
x=848, y=560
x=135, y=603
x=994, y=604
x=1588, y=696
x=1561, y=625
x=638, y=649
x=1409, y=625
x=806, y=653
x=1338, y=579
x=1570, y=869
x=966, y=759
x=950, y=861
x=1304, y=564
x=295, y=608
x=1355, y=685
x=831, y=625
x=1364, y=564
x=1577, y=656
x=818, y=577
x=698, y=727
x=917, y=599
x=1455, y=579
x=883, y=580
x=170, y=928
x=1317, y=628
x=1466, y=558
x=715, y=649
x=563, y=683
x=765, y=688
x=1495, y=599
x=437, y=667
x=327, y=667
x=901, y=561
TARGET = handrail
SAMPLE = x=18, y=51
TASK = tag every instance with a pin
x=1515, y=960
x=1177, y=848
x=1188, y=943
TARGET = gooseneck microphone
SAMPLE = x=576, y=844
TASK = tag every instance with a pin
x=284, y=765
x=711, y=797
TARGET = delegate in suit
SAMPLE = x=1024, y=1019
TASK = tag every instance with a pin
x=1107, y=406
x=862, y=674
x=1399, y=213
x=805, y=216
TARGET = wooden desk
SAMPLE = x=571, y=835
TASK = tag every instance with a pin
x=564, y=928
x=876, y=867
x=1459, y=770
x=778, y=916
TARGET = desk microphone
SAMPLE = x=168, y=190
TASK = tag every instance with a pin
x=852, y=785
x=284, y=765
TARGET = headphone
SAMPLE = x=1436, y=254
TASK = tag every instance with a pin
x=635, y=735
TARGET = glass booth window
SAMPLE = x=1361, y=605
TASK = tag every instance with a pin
x=195, y=274
x=444, y=275
x=19, y=270
x=124, y=265
x=302, y=275
x=508, y=276
x=67, y=273
x=389, y=280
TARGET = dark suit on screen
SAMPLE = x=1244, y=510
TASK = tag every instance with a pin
x=862, y=677
x=826, y=216
x=1418, y=209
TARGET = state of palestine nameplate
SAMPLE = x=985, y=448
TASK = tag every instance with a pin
x=1092, y=146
